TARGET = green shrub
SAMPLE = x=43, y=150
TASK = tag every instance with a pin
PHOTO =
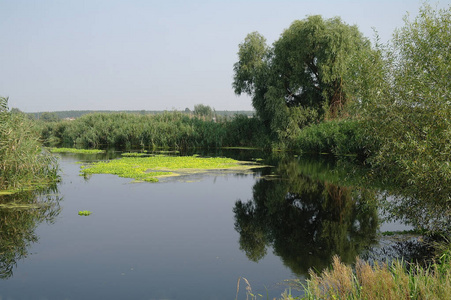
x=406, y=106
x=338, y=137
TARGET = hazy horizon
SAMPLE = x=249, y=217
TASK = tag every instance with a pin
x=151, y=55
x=136, y=110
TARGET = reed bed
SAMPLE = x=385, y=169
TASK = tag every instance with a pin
x=174, y=130
x=23, y=161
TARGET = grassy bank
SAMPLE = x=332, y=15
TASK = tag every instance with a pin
x=399, y=280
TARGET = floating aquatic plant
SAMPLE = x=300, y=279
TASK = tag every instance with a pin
x=134, y=154
x=74, y=150
x=84, y=213
x=149, y=168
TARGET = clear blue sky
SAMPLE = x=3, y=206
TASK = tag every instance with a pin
x=152, y=55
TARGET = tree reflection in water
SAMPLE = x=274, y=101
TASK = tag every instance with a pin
x=20, y=214
x=306, y=221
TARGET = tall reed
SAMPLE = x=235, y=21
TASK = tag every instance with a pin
x=166, y=130
x=381, y=281
x=22, y=158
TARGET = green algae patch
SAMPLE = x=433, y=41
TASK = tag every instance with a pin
x=74, y=150
x=134, y=154
x=151, y=168
x=84, y=213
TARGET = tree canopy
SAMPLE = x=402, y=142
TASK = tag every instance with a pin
x=201, y=110
x=407, y=107
x=302, y=78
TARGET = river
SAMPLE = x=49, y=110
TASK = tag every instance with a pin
x=190, y=237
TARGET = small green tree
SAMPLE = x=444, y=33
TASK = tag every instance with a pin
x=303, y=77
x=203, y=111
x=49, y=117
x=407, y=107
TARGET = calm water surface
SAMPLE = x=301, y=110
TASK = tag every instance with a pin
x=185, y=238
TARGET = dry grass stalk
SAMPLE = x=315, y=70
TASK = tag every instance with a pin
x=381, y=281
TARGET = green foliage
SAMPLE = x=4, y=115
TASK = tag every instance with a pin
x=74, y=114
x=204, y=111
x=338, y=137
x=303, y=77
x=48, y=117
x=168, y=130
x=406, y=109
x=253, y=56
x=243, y=131
x=23, y=162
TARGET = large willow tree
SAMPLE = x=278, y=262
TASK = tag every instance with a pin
x=303, y=77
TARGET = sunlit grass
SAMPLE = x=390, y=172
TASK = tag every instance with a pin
x=381, y=281
x=134, y=154
x=74, y=150
x=398, y=280
x=150, y=168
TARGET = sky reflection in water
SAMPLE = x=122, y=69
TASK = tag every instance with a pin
x=188, y=240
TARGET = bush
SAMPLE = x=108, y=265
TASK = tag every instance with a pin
x=407, y=105
x=246, y=132
x=338, y=137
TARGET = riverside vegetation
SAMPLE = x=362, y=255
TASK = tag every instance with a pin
x=28, y=176
x=23, y=161
x=323, y=88
x=175, y=130
x=389, y=104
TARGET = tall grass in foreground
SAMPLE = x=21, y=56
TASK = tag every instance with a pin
x=381, y=281
x=22, y=160
x=397, y=281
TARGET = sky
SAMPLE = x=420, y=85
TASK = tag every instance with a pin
x=152, y=55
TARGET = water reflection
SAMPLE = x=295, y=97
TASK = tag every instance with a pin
x=428, y=214
x=306, y=221
x=430, y=218
x=20, y=214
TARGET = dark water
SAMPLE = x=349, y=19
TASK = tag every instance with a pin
x=185, y=238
